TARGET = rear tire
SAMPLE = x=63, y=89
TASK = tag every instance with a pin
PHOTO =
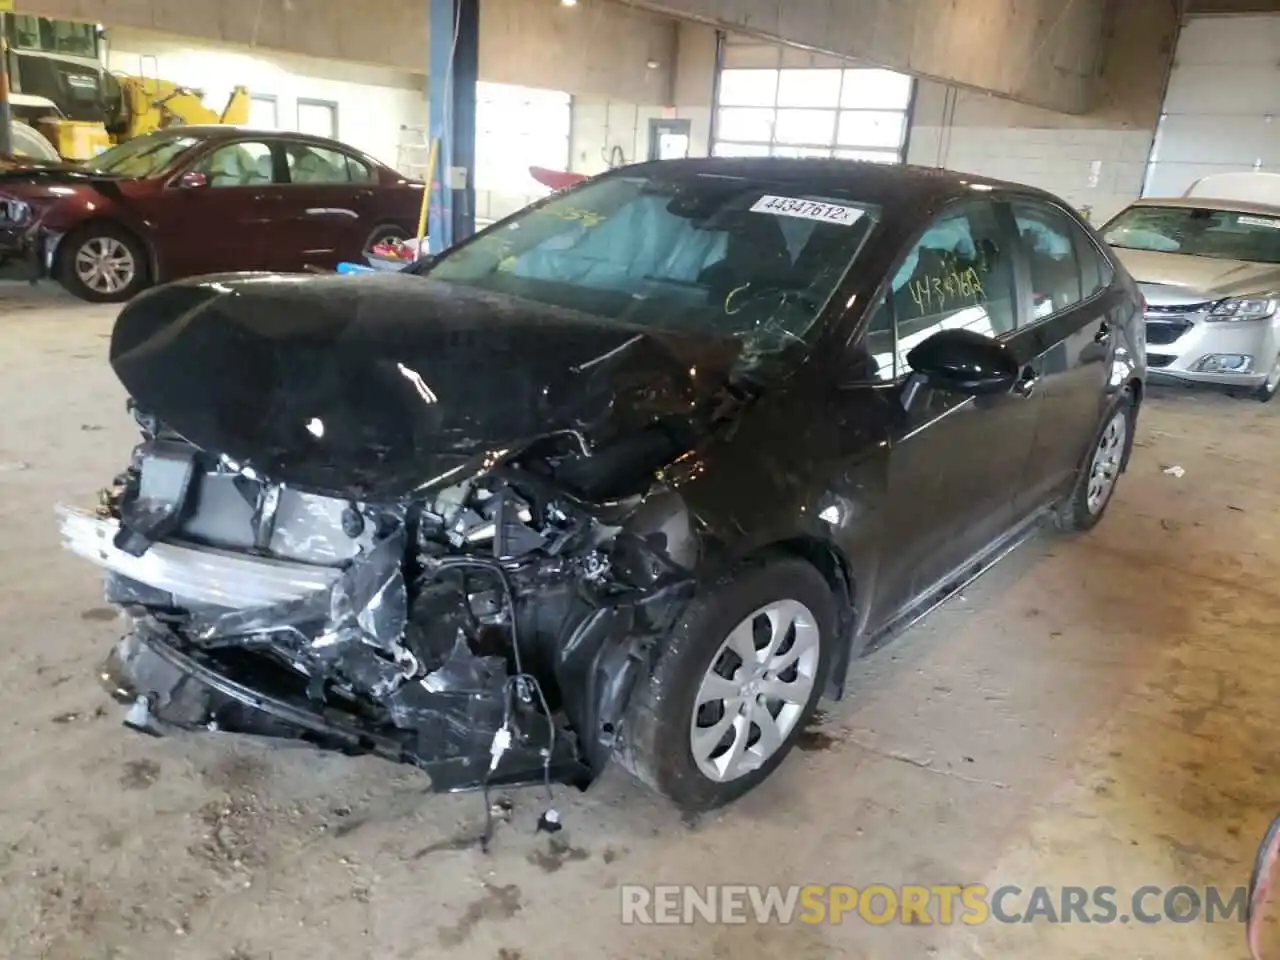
x=700, y=685
x=1099, y=474
x=383, y=233
x=102, y=263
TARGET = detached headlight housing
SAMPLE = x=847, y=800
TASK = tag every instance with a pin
x=1244, y=309
x=16, y=213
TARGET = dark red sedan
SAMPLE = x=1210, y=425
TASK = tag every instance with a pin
x=195, y=200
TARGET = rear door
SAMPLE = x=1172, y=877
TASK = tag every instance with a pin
x=327, y=207
x=956, y=463
x=1066, y=294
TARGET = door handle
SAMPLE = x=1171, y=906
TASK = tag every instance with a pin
x=1027, y=383
x=1103, y=335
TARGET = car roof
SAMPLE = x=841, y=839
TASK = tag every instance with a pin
x=880, y=183
x=227, y=131
x=1209, y=203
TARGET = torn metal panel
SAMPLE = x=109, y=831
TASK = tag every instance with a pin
x=185, y=689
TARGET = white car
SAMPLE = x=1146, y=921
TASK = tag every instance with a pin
x=1209, y=267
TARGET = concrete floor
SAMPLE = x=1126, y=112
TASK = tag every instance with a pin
x=1097, y=711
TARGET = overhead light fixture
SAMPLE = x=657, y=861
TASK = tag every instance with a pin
x=568, y=3
x=652, y=64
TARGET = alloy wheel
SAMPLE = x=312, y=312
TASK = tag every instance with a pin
x=755, y=690
x=105, y=265
x=1107, y=458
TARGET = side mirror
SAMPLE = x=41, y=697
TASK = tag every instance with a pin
x=1261, y=916
x=962, y=361
x=193, y=178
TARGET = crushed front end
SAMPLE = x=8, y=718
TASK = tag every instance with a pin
x=490, y=632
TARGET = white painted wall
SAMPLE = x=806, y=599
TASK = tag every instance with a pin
x=1096, y=168
x=373, y=102
x=1095, y=160
x=597, y=48
x=609, y=132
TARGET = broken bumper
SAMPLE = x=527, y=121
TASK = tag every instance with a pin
x=201, y=575
x=172, y=688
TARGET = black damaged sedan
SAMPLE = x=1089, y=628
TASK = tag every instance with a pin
x=634, y=474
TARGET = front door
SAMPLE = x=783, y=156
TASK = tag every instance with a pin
x=1069, y=302
x=227, y=223
x=956, y=463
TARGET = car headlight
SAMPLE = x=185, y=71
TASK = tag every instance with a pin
x=16, y=212
x=1244, y=309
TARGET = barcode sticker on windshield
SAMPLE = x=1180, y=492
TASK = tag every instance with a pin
x=1259, y=222
x=808, y=210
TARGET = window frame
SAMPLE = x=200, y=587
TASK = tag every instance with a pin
x=272, y=99
x=213, y=146
x=282, y=144
x=1081, y=234
x=332, y=105
x=1021, y=285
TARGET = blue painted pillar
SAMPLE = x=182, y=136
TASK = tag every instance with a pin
x=455, y=48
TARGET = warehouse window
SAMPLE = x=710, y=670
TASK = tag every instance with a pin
x=318, y=118
x=518, y=128
x=855, y=114
x=264, y=112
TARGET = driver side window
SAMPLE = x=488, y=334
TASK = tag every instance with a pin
x=238, y=165
x=958, y=275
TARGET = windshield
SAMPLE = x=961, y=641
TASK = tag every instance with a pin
x=141, y=156
x=1197, y=232
x=688, y=253
x=55, y=36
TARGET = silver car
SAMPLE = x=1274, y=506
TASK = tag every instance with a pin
x=1210, y=273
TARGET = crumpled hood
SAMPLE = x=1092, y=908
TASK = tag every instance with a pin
x=380, y=385
x=33, y=179
x=1196, y=279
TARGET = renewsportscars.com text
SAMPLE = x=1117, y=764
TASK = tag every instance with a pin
x=937, y=904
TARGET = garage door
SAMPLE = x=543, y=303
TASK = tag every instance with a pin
x=783, y=102
x=1221, y=109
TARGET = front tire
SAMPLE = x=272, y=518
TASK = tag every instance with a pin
x=1100, y=472
x=102, y=263
x=737, y=682
x=1268, y=389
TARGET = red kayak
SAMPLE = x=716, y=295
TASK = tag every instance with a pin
x=556, y=179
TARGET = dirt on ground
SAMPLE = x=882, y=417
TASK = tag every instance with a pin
x=1099, y=710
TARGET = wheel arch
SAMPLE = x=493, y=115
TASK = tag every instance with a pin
x=1136, y=388
x=148, y=248
x=835, y=567
x=383, y=223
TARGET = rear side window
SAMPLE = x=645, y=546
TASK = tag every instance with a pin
x=315, y=165
x=1096, y=272
x=358, y=172
x=1049, y=239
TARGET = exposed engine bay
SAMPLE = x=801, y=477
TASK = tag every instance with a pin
x=489, y=631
